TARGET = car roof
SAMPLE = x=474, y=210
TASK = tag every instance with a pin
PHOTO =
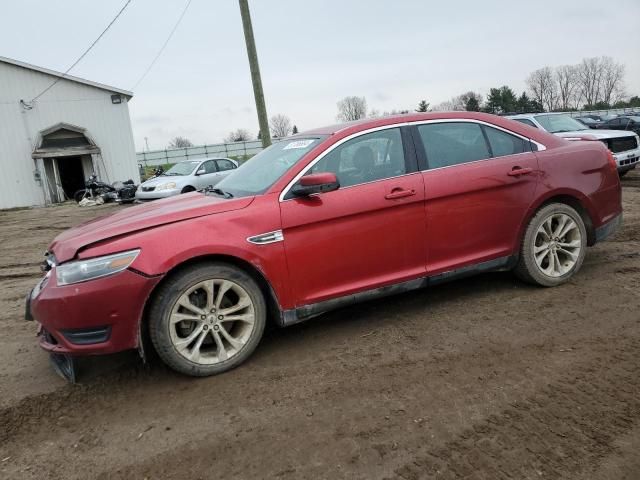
x=367, y=123
x=203, y=159
x=345, y=129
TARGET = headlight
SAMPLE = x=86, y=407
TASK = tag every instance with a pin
x=83, y=270
x=166, y=186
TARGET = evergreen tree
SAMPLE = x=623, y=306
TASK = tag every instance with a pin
x=472, y=105
x=423, y=106
x=501, y=100
x=294, y=130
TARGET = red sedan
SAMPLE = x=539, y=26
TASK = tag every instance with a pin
x=320, y=220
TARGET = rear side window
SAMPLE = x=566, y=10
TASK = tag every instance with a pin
x=503, y=143
x=448, y=144
x=526, y=121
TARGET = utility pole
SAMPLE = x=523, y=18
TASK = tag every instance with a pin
x=255, y=73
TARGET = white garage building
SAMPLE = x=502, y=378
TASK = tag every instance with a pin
x=50, y=145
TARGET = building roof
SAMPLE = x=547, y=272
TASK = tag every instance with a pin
x=53, y=73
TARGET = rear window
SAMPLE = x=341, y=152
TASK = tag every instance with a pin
x=526, y=121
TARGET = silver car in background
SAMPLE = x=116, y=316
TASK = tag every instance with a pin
x=187, y=176
x=625, y=145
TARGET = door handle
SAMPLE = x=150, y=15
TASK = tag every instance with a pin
x=517, y=171
x=399, y=193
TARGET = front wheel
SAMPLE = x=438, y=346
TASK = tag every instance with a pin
x=207, y=319
x=553, y=247
x=79, y=195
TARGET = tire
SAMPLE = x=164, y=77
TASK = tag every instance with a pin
x=550, y=260
x=222, y=344
x=79, y=195
x=188, y=189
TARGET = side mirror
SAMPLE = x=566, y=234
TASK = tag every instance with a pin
x=316, y=183
x=202, y=171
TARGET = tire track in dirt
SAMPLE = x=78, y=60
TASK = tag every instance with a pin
x=565, y=429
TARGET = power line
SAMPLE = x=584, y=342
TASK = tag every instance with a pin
x=166, y=42
x=85, y=52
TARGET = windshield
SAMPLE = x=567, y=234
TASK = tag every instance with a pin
x=257, y=174
x=560, y=123
x=182, y=168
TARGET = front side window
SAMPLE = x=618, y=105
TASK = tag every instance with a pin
x=256, y=175
x=448, y=144
x=503, y=143
x=367, y=158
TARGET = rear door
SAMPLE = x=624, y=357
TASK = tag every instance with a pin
x=479, y=184
x=367, y=234
x=224, y=168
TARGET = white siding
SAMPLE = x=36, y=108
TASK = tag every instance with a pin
x=69, y=102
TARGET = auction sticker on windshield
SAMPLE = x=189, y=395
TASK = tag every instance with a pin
x=299, y=144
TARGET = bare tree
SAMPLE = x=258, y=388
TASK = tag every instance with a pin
x=590, y=78
x=444, y=106
x=239, y=135
x=180, y=142
x=543, y=87
x=352, y=108
x=566, y=78
x=280, y=125
x=612, y=81
x=461, y=101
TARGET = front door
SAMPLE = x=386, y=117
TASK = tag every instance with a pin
x=479, y=184
x=368, y=233
x=209, y=176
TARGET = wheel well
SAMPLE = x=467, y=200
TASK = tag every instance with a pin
x=188, y=188
x=574, y=203
x=273, y=308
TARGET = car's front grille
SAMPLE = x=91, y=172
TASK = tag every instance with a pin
x=148, y=189
x=617, y=145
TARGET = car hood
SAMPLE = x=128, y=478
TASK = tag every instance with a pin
x=154, y=182
x=597, y=134
x=141, y=217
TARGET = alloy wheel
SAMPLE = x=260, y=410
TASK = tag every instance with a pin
x=211, y=321
x=557, y=245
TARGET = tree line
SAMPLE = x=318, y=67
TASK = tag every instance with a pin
x=595, y=83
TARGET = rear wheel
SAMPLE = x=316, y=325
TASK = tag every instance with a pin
x=207, y=319
x=553, y=247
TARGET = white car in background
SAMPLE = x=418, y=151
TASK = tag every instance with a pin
x=625, y=145
x=187, y=176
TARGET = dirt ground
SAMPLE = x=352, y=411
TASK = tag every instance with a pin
x=485, y=378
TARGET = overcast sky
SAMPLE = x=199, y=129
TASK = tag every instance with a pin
x=311, y=54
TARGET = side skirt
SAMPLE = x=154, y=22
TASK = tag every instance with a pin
x=306, y=312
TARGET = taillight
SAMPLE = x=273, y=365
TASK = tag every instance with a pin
x=612, y=161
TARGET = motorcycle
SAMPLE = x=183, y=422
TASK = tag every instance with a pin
x=123, y=192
